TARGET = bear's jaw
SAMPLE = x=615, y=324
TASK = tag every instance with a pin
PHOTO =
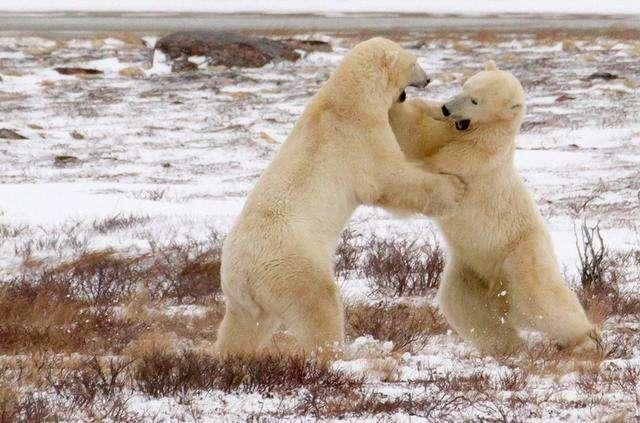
x=463, y=125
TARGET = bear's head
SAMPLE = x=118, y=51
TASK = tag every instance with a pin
x=490, y=96
x=382, y=68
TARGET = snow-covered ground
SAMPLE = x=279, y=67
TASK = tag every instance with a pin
x=181, y=151
x=329, y=7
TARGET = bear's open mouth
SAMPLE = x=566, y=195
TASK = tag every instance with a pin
x=403, y=96
x=463, y=124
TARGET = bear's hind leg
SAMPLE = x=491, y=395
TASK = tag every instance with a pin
x=316, y=317
x=540, y=299
x=240, y=333
x=475, y=312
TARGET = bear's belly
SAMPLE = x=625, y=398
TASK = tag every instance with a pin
x=479, y=241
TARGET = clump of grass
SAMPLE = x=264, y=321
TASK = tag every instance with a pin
x=408, y=327
x=9, y=231
x=118, y=223
x=152, y=195
x=401, y=267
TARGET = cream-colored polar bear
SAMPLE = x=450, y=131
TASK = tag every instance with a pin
x=277, y=260
x=502, y=274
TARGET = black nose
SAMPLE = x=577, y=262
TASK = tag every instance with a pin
x=445, y=111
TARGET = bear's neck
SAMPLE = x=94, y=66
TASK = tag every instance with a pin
x=496, y=135
x=496, y=143
x=352, y=97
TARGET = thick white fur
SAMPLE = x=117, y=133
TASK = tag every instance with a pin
x=502, y=274
x=277, y=260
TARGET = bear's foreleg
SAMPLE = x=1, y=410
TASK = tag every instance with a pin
x=408, y=188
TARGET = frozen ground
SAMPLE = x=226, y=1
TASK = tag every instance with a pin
x=179, y=153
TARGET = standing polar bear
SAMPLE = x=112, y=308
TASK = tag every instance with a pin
x=277, y=260
x=502, y=275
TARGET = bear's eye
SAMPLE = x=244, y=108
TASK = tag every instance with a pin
x=474, y=101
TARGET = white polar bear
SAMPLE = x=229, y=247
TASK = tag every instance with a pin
x=277, y=260
x=502, y=273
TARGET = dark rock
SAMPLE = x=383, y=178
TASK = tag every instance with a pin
x=183, y=65
x=564, y=97
x=607, y=76
x=308, y=45
x=63, y=161
x=225, y=48
x=78, y=71
x=76, y=135
x=10, y=134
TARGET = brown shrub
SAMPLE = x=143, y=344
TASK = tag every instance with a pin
x=69, y=307
x=348, y=253
x=624, y=378
x=438, y=407
x=601, y=274
x=601, y=305
x=513, y=380
x=9, y=405
x=189, y=272
x=485, y=37
x=102, y=277
x=42, y=323
x=90, y=379
x=25, y=408
x=408, y=327
x=596, y=267
x=550, y=35
x=161, y=372
x=401, y=267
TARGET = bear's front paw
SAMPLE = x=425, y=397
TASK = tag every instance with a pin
x=447, y=191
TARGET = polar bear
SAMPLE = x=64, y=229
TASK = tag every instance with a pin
x=277, y=260
x=502, y=273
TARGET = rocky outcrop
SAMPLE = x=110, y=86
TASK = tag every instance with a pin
x=225, y=48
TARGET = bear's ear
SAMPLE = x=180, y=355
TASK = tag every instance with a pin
x=511, y=111
x=490, y=66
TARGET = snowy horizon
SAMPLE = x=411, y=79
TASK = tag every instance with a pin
x=328, y=7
